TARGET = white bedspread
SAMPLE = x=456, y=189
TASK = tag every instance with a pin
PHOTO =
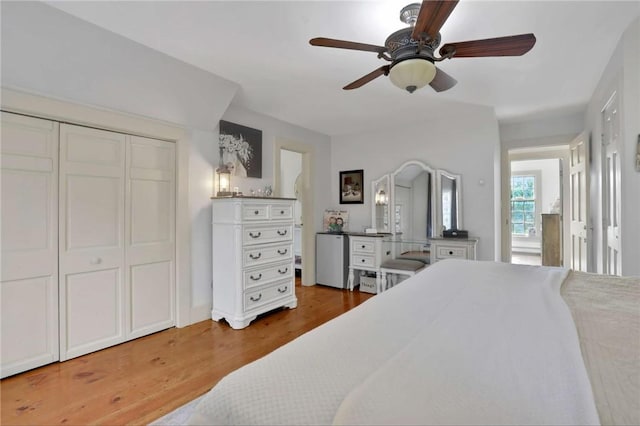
x=460, y=343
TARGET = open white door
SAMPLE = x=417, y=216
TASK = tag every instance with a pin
x=579, y=202
x=611, y=187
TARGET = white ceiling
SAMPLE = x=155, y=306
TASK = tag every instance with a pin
x=263, y=46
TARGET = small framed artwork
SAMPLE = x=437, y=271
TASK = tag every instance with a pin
x=351, y=187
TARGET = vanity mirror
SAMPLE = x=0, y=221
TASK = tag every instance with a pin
x=412, y=202
x=450, y=201
x=380, y=193
x=416, y=201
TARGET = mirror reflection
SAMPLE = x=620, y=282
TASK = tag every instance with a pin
x=413, y=185
x=416, y=201
x=449, y=192
x=380, y=206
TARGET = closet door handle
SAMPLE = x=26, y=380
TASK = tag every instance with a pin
x=255, y=299
x=282, y=233
x=283, y=252
x=252, y=235
x=283, y=272
x=255, y=257
x=283, y=290
x=256, y=278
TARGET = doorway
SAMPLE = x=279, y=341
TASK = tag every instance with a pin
x=293, y=178
x=537, y=226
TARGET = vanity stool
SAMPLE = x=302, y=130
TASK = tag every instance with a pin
x=400, y=267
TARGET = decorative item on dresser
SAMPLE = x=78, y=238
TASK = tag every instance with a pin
x=253, y=260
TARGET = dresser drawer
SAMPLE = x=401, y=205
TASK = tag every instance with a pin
x=445, y=252
x=264, y=295
x=267, y=274
x=266, y=234
x=253, y=256
x=255, y=212
x=359, y=260
x=363, y=246
x=280, y=211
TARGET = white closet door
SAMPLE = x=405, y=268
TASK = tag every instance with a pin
x=92, y=166
x=150, y=236
x=29, y=274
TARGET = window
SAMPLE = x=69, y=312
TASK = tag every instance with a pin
x=523, y=204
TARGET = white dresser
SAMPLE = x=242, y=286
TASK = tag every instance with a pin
x=253, y=260
x=367, y=253
x=457, y=248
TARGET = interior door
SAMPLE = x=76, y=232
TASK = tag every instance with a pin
x=611, y=187
x=29, y=223
x=579, y=202
x=150, y=236
x=92, y=169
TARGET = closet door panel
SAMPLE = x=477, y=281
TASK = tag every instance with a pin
x=29, y=243
x=92, y=194
x=150, y=235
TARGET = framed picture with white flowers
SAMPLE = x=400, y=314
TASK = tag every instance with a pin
x=241, y=149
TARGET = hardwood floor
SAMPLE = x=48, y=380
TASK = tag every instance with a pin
x=139, y=381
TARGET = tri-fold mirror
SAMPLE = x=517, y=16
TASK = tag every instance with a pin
x=416, y=201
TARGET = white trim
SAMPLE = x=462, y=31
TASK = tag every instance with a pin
x=308, y=206
x=75, y=113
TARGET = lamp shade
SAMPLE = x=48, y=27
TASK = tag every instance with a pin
x=412, y=74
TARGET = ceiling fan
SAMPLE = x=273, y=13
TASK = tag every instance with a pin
x=411, y=50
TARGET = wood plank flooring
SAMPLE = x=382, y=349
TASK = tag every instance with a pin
x=139, y=381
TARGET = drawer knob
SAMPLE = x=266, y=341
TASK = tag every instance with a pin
x=282, y=233
x=256, y=278
x=363, y=246
x=362, y=260
x=283, y=252
x=283, y=290
x=252, y=235
x=281, y=211
x=283, y=272
x=256, y=212
x=450, y=252
x=251, y=255
x=95, y=261
x=255, y=299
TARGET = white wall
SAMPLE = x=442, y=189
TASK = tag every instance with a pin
x=466, y=144
x=48, y=52
x=622, y=74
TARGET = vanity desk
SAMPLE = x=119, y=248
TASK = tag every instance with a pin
x=367, y=252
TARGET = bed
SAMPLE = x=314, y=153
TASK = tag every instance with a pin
x=462, y=342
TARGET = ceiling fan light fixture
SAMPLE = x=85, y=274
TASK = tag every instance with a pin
x=412, y=74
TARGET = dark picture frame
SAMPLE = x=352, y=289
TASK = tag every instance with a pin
x=352, y=187
x=241, y=149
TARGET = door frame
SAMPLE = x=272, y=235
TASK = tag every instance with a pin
x=74, y=113
x=550, y=152
x=308, y=245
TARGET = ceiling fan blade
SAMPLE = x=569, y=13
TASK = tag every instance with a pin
x=432, y=16
x=367, y=78
x=442, y=81
x=502, y=46
x=342, y=44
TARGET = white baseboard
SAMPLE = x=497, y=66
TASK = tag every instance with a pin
x=200, y=313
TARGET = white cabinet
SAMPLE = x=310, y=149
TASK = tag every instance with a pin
x=456, y=248
x=253, y=259
x=29, y=271
x=88, y=240
x=367, y=253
